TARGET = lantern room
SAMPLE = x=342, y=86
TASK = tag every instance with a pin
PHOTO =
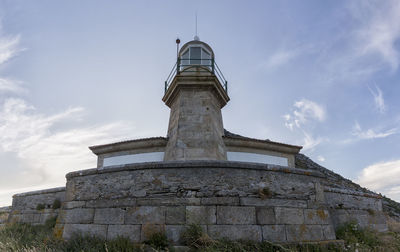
x=195, y=53
x=196, y=58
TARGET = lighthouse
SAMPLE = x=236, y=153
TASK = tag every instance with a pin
x=195, y=91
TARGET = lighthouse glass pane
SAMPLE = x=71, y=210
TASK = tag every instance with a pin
x=134, y=158
x=185, y=59
x=205, y=58
x=257, y=158
x=195, y=55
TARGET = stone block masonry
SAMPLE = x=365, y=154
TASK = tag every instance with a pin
x=4, y=213
x=227, y=199
x=38, y=206
x=231, y=200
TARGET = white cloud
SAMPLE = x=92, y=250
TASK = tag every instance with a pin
x=7, y=85
x=310, y=142
x=321, y=158
x=367, y=44
x=51, y=153
x=382, y=177
x=8, y=48
x=280, y=58
x=35, y=152
x=309, y=109
x=380, y=31
x=370, y=133
x=304, y=111
x=378, y=99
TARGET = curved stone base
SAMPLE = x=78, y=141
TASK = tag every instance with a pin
x=227, y=199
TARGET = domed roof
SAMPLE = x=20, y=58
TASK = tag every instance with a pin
x=195, y=43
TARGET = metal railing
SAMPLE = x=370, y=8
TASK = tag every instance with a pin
x=181, y=66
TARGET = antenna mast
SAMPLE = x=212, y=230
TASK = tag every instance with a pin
x=196, y=37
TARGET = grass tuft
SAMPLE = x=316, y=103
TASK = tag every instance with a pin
x=157, y=240
x=40, y=207
x=56, y=204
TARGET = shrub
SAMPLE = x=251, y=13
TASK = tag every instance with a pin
x=40, y=207
x=192, y=235
x=121, y=244
x=351, y=233
x=84, y=243
x=265, y=193
x=157, y=240
x=50, y=223
x=20, y=237
x=56, y=204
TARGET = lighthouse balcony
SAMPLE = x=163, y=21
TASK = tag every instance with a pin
x=196, y=67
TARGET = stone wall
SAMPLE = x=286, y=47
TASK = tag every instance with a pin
x=4, y=212
x=195, y=127
x=234, y=200
x=36, y=207
x=228, y=199
x=361, y=208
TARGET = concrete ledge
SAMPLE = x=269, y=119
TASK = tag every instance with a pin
x=196, y=164
x=45, y=191
x=252, y=143
x=129, y=145
x=352, y=192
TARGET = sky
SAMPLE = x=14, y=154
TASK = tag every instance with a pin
x=321, y=74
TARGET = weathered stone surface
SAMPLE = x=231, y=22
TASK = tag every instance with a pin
x=31, y=218
x=45, y=216
x=30, y=200
x=149, y=229
x=319, y=193
x=15, y=218
x=265, y=215
x=109, y=216
x=173, y=233
x=235, y=232
x=363, y=218
x=74, y=204
x=4, y=213
x=273, y=202
x=236, y=215
x=171, y=201
x=129, y=231
x=103, y=203
x=175, y=215
x=201, y=214
x=274, y=233
x=85, y=229
x=339, y=217
x=379, y=227
x=329, y=232
x=375, y=217
x=286, y=215
x=79, y=216
x=316, y=216
x=145, y=215
x=304, y=232
x=207, y=193
x=349, y=201
x=222, y=201
x=195, y=127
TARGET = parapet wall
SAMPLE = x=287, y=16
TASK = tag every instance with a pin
x=36, y=207
x=4, y=213
x=228, y=199
x=234, y=200
x=362, y=208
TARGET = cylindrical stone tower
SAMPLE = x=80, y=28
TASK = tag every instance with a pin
x=195, y=91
